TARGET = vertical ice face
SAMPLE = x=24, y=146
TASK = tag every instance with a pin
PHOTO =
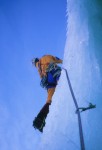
x=82, y=59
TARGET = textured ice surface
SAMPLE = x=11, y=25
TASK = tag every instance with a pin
x=82, y=59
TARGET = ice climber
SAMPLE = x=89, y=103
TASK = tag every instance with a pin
x=49, y=73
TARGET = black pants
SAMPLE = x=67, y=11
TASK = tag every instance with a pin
x=44, y=111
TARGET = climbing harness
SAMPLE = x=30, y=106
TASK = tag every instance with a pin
x=53, y=73
x=55, y=68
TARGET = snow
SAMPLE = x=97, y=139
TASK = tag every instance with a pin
x=82, y=59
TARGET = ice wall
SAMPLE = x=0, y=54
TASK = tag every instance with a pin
x=82, y=59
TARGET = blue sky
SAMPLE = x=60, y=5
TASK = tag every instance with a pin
x=27, y=29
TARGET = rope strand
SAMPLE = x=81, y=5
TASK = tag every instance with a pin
x=78, y=112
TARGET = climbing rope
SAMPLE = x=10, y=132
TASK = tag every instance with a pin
x=78, y=112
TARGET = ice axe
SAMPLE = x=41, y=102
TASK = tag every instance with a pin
x=81, y=109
